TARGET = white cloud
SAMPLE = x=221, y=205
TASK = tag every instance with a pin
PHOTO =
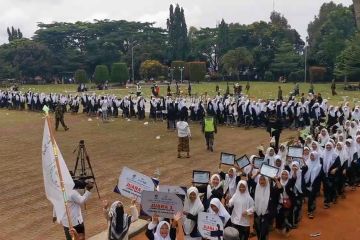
x=199, y=13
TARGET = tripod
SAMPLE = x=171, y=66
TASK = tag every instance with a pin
x=85, y=170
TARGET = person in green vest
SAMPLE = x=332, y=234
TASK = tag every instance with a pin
x=209, y=128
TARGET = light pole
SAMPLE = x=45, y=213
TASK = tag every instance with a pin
x=305, y=72
x=181, y=73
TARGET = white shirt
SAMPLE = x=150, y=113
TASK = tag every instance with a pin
x=183, y=129
x=74, y=203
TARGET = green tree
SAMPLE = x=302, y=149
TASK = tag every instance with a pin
x=80, y=76
x=152, y=69
x=223, y=38
x=101, y=74
x=348, y=62
x=14, y=34
x=177, y=32
x=235, y=60
x=197, y=71
x=286, y=60
x=119, y=73
x=356, y=4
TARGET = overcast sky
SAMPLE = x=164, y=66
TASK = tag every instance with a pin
x=25, y=14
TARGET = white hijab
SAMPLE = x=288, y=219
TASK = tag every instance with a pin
x=298, y=176
x=329, y=158
x=194, y=208
x=271, y=159
x=230, y=183
x=343, y=155
x=241, y=202
x=222, y=213
x=262, y=196
x=350, y=150
x=157, y=235
x=323, y=139
x=210, y=188
x=314, y=168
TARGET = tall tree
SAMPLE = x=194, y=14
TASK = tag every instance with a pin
x=14, y=34
x=223, y=37
x=177, y=31
x=357, y=12
x=236, y=60
x=348, y=62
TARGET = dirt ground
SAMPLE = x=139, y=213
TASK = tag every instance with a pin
x=25, y=213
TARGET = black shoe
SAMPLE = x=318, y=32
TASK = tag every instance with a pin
x=66, y=129
x=211, y=149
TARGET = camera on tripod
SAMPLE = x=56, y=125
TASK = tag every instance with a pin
x=83, y=173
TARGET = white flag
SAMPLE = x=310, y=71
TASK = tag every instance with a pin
x=51, y=176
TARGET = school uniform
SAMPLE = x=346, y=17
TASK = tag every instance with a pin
x=211, y=192
x=192, y=210
x=331, y=161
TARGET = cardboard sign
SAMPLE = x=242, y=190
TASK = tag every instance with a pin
x=210, y=226
x=227, y=159
x=173, y=189
x=201, y=177
x=296, y=152
x=242, y=161
x=163, y=204
x=269, y=171
x=132, y=183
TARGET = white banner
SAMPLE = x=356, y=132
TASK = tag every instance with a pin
x=210, y=226
x=132, y=183
x=51, y=175
x=172, y=189
x=163, y=204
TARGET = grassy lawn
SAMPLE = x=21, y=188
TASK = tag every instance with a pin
x=263, y=90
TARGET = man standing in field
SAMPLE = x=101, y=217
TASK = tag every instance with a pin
x=184, y=135
x=59, y=117
x=209, y=128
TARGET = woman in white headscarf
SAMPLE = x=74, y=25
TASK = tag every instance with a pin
x=296, y=173
x=230, y=179
x=331, y=166
x=323, y=137
x=243, y=208
x=218, y=209
x=344, y=163
x=118, y=221
x=352, y=163
x=312, y=181
x=266, y=199
x=214, y=189
x=352, y=129
x=283, y=151
x=165, y=230
x=270, y=156
x=306, y=156
x=192, y=207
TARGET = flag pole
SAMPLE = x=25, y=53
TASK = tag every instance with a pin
x=54, y=145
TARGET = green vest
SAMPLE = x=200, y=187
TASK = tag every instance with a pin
x=209, y=125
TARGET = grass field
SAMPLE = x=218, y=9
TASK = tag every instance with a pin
x=263, y=90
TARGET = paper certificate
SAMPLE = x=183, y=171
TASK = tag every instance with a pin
x=163, y=204
x=269, y=171
x=258, y=162
x=210, y=226
x=227, y=158
x=295, y=152
x=201, y=177
x=132, y=183
x=242, y=161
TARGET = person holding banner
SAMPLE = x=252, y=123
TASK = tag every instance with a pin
x=243, y=208
x=312, y=181
x=192, y=207
x=165, y=230
x=75, y=200
x=118, y=221
x=218, y=209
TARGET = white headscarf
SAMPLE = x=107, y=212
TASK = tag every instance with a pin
x=323, y=139
x=314, y=168
x=298, y=182
x=350, y=150
x=342, y=154
x=241, y=202
x=157, y=235
x=210, y=188
x=262, y=196
x=329, y=158
x=230, y=183
x=271, y=159
x=222, y=213
x=306, y=157
x=194, y=208
x=357, y=146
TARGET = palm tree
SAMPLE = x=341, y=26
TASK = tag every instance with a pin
x=357, y=12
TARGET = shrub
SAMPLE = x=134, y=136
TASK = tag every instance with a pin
x=80, y=76
x=151, y=69
x=101, y=74
x=197, y=71
x=268, y=76
x=119, y=73
x=296, y=76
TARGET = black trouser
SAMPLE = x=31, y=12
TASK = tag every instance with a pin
x=282, y=218
x=311, y=200
x=262, y=226
x=341, y=183
x=329, y=189
x=61, y=120
x=209, y=137
x=276, y=134
x=80, y=228
x=244, y=232
x=295, y=214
